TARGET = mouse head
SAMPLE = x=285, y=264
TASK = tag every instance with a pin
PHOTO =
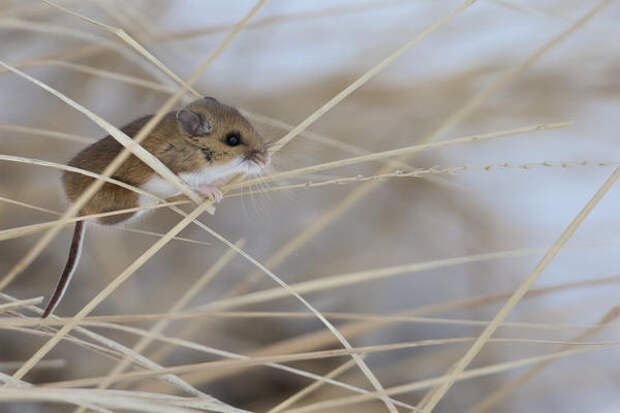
x=223, y=134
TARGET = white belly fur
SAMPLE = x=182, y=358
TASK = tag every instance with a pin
x=219, y=174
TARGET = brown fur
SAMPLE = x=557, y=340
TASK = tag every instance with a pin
x=169, y=143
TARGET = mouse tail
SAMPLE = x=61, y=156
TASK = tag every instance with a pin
x=65, y=278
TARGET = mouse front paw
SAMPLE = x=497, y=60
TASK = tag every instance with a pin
x=212, y=192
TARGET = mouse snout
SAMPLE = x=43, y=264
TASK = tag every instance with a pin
x=259, y=156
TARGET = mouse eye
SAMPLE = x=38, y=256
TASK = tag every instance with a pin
x=233, y=139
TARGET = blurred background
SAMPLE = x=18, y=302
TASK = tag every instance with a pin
x=290, y=59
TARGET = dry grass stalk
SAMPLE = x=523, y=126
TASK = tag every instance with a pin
x=425, y=384
x=290, y=401
x=319, y=339
x=493, y=398
x=242, y=361
x=19, y=304
x=401, y=152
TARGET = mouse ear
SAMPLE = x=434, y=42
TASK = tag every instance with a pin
x=191, y=122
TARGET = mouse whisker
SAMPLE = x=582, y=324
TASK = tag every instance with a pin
x=260, y=180
x=266, y=187
x=267, y=195
x=267, y=183
x=243, y=202
x=253, y=197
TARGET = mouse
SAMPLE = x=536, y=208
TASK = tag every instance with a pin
x=206, y=143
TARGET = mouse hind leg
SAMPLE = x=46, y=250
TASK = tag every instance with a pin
x=112, y=198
